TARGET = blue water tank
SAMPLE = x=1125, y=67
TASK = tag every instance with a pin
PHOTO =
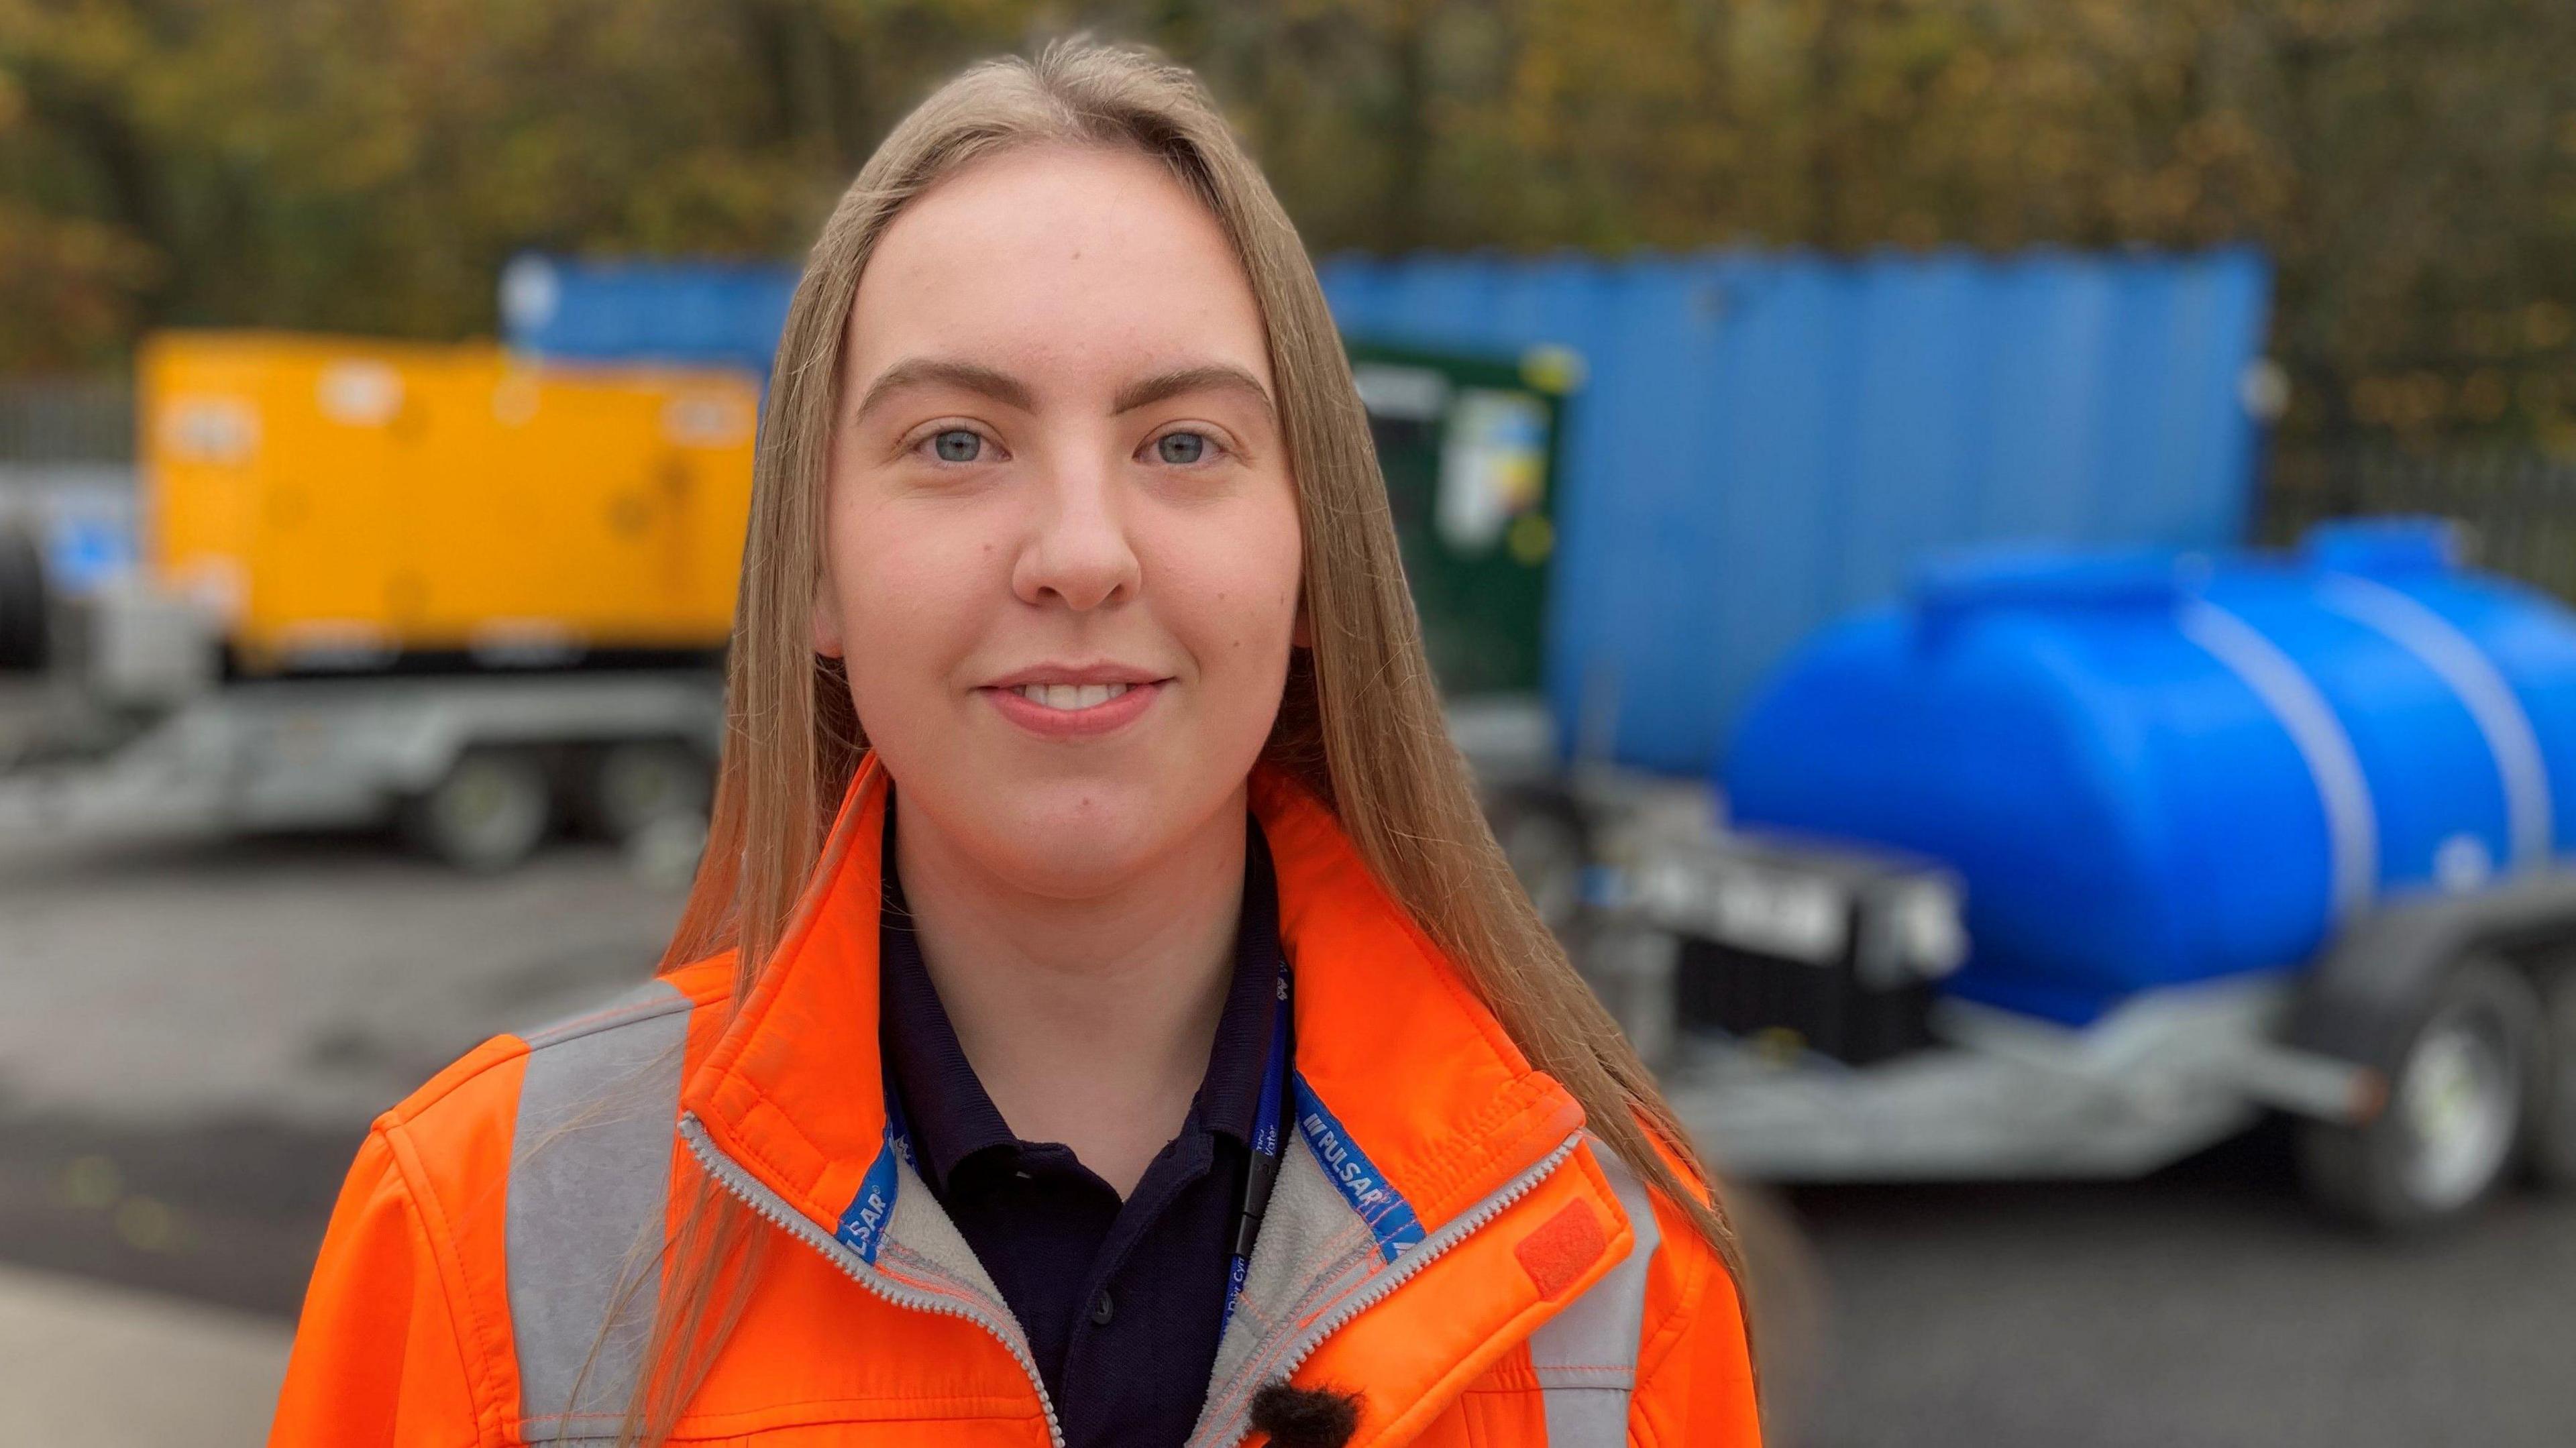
x=2151, y=768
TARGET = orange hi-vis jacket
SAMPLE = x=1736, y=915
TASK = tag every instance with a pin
x=1448, y=1242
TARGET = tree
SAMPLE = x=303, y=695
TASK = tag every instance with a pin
x=368, y=164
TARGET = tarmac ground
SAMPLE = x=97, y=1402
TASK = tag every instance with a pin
x=194, y=1033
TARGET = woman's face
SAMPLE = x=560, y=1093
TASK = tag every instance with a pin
x=1061, y=540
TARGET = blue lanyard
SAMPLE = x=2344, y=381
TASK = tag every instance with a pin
x=1262, y=1172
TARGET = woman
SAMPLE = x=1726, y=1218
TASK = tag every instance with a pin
x=1179, y=1061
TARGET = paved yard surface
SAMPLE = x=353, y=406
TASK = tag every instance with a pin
x=92, y=1365
x=2203, y=1307
x=193, y=1036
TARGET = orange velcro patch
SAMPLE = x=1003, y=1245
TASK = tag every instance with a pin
x=1561, y=1248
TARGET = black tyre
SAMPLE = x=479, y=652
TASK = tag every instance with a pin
x=2456, y=1111
x=636, y=786
x=2550, y=1141
x=488, y=814
x=25, y=626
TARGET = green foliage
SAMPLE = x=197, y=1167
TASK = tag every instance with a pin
x=367, y=164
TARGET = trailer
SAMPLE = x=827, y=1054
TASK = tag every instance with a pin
x=132, y=727
x=390, y=583
x=476, y=771
x=2073, y=865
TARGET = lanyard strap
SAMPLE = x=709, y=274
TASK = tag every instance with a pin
x=898, y=1135
x=1262, y=1172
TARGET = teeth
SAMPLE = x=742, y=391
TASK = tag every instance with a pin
x=1071, y=696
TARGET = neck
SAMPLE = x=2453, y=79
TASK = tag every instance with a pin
x=1088, y=1020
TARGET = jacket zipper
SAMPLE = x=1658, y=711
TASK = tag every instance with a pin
x=1431, y=1247
x=775, y=1210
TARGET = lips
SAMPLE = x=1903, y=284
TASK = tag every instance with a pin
x=1063, y=701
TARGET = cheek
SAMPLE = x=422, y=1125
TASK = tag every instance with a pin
x=911, y=598
x=1231, y=592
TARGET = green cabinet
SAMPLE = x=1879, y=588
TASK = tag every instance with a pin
x=1469, y=446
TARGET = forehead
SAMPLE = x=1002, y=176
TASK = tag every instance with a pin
x=1083, y=263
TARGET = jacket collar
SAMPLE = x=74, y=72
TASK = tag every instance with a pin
x=1413, y=1071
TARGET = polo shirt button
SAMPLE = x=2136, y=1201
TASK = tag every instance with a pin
x=1101, y=1309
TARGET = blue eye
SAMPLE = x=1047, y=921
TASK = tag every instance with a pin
x=1183, y=448
x=958, y=445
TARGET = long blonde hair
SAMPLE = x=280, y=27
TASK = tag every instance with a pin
x=1361, y=723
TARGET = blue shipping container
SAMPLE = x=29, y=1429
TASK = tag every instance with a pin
x=698, y=313
x=1765, y=441
x=1768, y=441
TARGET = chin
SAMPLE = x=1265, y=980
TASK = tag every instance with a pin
x=1086, y=847
x=1067, y=828
x=1087, y=837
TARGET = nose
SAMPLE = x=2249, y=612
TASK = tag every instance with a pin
x=1079, y=552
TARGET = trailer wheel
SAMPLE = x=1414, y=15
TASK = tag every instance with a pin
x=633, y=787
x=487, y=815
x=2455, y=1112
x=2552, y=1134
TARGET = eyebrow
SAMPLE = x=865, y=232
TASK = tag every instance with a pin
x=1002, y=387
x=1213, y=376
x=1010, y=391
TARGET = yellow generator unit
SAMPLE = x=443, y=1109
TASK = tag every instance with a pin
x=343, y=503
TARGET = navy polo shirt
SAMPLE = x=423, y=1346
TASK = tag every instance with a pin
x=1121, y=1301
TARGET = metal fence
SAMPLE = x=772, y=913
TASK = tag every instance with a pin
x=2520, y=506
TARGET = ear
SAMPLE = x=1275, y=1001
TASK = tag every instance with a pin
x=826, y=625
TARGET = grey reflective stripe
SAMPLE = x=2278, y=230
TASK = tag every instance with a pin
x=2343, y=791
x=1586, y=1356
x=2461, y=663
x=590, y=1175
